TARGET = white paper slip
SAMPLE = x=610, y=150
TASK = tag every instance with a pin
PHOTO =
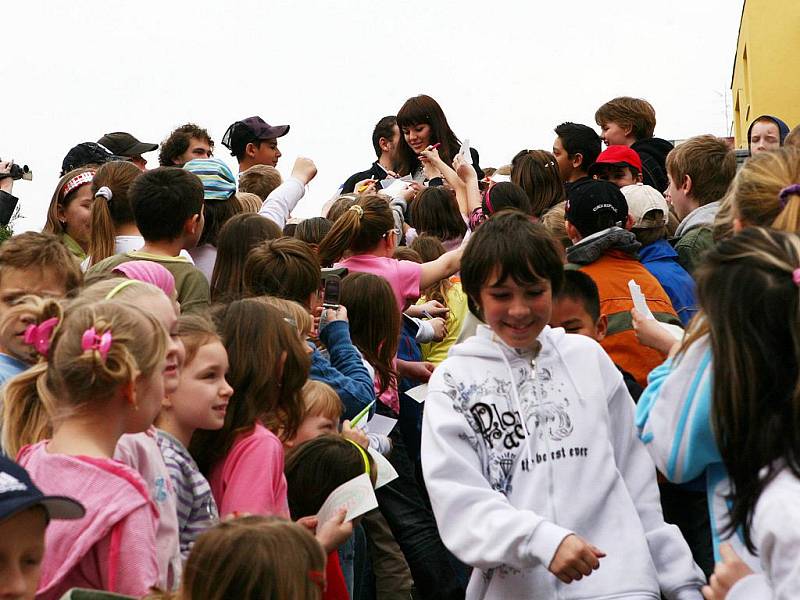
x=465, y=151
x=639, y=302
x=386, y=472
x=356, y=495
x=418, y=393
x=381, y=425
x=396, y=187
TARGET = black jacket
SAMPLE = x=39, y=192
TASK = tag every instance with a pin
x=374, y=172
x=653, y=152
x=7, y=205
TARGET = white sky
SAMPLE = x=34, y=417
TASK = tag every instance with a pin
x=504, y=72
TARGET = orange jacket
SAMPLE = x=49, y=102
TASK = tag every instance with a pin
x=611, y=272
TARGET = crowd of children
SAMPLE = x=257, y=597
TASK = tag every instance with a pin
x=574, y=376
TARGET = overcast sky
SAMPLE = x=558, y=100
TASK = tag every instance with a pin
x=504, y=72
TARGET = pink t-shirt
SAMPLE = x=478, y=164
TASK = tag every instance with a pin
x=251, y=479
x=403, y=275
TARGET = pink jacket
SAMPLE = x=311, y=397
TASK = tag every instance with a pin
x=113, y=547
x=251, y=479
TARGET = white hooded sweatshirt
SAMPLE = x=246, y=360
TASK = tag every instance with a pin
x=506, y=491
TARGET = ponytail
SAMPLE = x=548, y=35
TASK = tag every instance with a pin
x=359, y=229
x=27, y=410
x=111, y=207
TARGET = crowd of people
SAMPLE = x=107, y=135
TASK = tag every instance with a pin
x=574, y=375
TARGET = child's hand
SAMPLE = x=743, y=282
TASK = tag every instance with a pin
x=366, y=186
x=336, y=314
x=355, y=434
x=726, y=574
x=465, y=171
x=439, y=329
x=304, y=169
x=434, y=308
x=650, y=333
x=574, y=559
x=335, y=532
x=421, y=371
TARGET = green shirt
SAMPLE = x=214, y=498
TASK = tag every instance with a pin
x=190, y=283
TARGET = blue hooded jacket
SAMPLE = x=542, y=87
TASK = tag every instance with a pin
x=662, y=261
x=783, y=128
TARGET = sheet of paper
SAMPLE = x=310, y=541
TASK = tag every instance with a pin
x=465, y=151
x=386, y=472
x=639, y=302
x=381, y=425
x=356, y=495
x=418, y=393
x=396, y=187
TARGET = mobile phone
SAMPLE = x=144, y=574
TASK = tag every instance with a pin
x=330, y=293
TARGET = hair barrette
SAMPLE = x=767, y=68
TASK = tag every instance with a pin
x=39, y=335
x=100, y=343
x=796, y=277
x=789, y=190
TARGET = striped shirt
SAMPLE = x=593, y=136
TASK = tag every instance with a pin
x=197, y=510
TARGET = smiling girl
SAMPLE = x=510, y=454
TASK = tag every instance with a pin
x=422, y=123
x=528, y=436
x=70, y=212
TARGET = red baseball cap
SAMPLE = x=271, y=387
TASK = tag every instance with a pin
x=617, y=156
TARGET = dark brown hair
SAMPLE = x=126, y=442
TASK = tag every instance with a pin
x=425, y=110
x=237, y=237
x=178, y=142
x=313, y=230
x=536, y=172
x=374, y=322
x=266, y=385
x=107, y=214
x=435, y=212
x=286, y=268
x=317, y=467
x=509, y=245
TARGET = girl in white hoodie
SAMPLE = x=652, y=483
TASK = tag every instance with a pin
x=529, y=450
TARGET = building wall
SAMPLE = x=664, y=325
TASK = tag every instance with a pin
x=766, y=72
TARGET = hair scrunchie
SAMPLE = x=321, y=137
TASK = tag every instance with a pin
x=789, y=190
x=104, y=192
x=357, y=209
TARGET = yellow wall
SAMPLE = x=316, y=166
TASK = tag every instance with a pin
x=766, y=73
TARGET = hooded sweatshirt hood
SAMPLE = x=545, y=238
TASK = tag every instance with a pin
x=653, y=152
x=702, y=216
x=783, y=128
x=592, y=247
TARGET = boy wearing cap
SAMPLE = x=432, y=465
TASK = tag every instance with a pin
x=597, y=221
x=630, y=122
x=699, y=172
x=648, y=208
x=124, y=144
x=575, y=150
x=253, y=141
x=24, y=515
x=618, y=164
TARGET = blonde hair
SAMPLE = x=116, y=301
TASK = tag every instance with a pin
x=74, y=379
x=250, y=203
x=41, y=251
x=122, y=288
x=260, y=180
x=756, y=190
x=291, y=310
x=264, y=557
x=554, y=220
x=321, y=400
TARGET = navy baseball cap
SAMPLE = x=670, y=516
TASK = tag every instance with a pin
x=18, y=493
x=240, y=133
x=587, y=200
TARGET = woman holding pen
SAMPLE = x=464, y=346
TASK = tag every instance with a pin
x=422, y=125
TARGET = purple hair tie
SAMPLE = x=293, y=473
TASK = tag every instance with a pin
x=789, y=190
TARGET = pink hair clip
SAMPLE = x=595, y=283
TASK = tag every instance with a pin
x=796, y=277
x=39, y=335
x=100, y=343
